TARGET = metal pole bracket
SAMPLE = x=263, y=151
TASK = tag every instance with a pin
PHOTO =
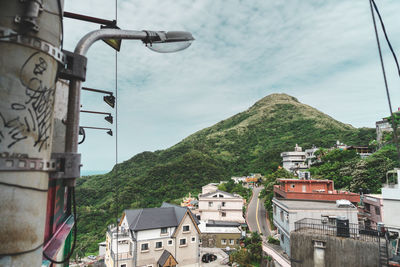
x=68, y=165
x=74, y=68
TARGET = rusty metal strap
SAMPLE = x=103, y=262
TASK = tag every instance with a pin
x=8, y=35
x=60, y=166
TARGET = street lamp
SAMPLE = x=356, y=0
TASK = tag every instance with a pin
x=173, y=41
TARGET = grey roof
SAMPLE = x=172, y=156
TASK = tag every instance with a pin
x=217, y=191
x=214, y=223
x=164, y=257
x=168, y=215
x=179, y=211
x=143, y=219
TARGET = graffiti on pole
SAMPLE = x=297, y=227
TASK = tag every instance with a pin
x=32, y=112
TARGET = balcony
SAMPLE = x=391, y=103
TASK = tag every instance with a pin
x=122, y=255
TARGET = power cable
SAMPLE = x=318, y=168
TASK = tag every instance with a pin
x=116, y=135
x=385, y=80
x=386, y=37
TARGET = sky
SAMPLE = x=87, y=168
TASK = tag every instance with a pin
x=323, y=52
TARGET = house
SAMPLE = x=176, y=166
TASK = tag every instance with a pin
x=371, y=210
x=287, y=211
x=220, y=234
x=165, y=236
x=220, y=206
x=312, y=190
x=294, y=161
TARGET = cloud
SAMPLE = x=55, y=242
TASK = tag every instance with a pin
x=322, y=52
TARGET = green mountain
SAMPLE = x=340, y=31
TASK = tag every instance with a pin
x=248, y=142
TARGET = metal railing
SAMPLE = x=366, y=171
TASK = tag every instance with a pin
x=122, y=256
x=353, y=230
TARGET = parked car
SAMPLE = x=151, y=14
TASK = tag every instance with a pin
x=208, y=257
x=92, y=257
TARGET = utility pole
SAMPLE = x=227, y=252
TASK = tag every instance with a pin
x=30, y=39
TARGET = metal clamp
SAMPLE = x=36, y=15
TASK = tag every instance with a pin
x=68, y=165
x=26, y=164
x=8, y=35
x=60, y=166
x=74, y=67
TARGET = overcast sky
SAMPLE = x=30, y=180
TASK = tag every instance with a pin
x=322, y=52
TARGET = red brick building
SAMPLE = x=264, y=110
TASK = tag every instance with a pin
x=312, y=190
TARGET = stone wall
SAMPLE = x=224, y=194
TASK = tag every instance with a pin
x=309, y=249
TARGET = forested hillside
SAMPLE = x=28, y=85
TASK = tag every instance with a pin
x=248, y=142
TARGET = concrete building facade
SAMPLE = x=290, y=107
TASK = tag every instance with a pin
x=312, y=190
x=220, y=206
x=220, y=234
x=287, y=211
x=294, y=161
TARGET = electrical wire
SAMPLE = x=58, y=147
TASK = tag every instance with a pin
x=116, y=133
x=385, y=80
x=21, y=253
x=66, y=259
x=386, y=37
x=24, y=187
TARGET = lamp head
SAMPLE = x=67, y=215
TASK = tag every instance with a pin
x=109, y=132
x=168, y=42
x=110, y=100
x=109, y=118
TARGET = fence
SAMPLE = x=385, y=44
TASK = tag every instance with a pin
x=351, y=230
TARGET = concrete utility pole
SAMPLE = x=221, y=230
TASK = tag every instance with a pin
x=30, y=37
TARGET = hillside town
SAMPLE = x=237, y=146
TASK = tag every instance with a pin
x=311, y=223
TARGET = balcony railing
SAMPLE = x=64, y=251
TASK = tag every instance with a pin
x=122, y=256
x=353, y=230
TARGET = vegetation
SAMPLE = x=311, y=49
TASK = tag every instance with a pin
x=249, y=142
x=251, y=254
x=272, y=240
x=233, y=188
x=350, y=172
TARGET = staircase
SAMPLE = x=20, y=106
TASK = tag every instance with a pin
x=383, y=252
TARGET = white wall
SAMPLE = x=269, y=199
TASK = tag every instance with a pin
x=153, y=234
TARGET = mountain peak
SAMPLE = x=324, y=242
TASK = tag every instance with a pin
x=276, y=98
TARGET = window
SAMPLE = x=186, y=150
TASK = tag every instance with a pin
x=231, y=242
x=367, y=207
x=223, y=204
x=164, y=230
x=281, y=215
x=186, y=228
x=223, y=214
x=223, y=241
x=292, y=185
x=274, y=209
x=159, y=244
x=221, y=196
x=210, y=204
x=283, y=238
x=377, y=211
x=145, y=247
x=123, y=265
x=182, y=242
x=215, y=195
x=193, y=239
x=170, y=242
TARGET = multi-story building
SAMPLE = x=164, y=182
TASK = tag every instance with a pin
x=294, y=161
x=384, y=126
x=370, y=211
x=220, y=234
x=312, y=190
x=220, y=206
x=287, y=211
x=165, y=236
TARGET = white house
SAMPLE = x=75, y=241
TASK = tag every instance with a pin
x=165, y=236
x=294, y=161
x=287, y=211
x=220, y=206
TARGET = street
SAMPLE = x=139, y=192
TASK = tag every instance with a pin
x=256, y=214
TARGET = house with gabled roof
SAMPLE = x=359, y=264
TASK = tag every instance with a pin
x=165, y=236
x=220, y=206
